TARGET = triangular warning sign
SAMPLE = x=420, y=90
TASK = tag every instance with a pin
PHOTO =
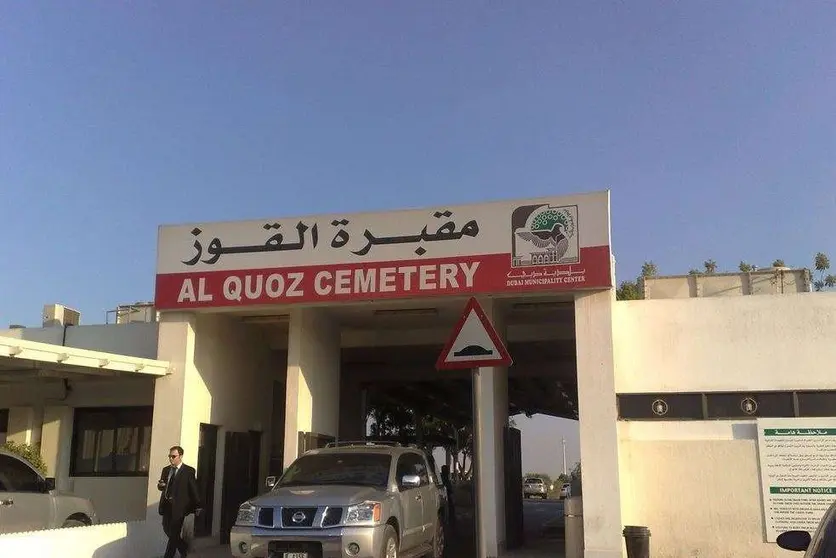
x=474, y=342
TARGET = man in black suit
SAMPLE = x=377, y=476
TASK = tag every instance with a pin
x=180, y=498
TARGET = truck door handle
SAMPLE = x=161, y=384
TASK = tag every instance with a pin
x=7, y=503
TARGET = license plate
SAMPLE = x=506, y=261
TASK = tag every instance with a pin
x=295, y=555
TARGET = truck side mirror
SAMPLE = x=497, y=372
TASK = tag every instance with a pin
x=270, y=482
x=49, y=484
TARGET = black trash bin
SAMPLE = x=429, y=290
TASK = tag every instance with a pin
x=637, y=539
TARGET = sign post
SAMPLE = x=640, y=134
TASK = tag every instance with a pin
x=474, y=343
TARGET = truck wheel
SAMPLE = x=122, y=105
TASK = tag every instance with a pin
x=390, y=543
x=439, y=540
x=74, y=523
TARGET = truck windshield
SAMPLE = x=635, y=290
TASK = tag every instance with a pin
x=356, y=469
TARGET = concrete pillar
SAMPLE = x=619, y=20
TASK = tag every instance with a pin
x=490, y=391
x=176, y=344
x=313, y=378
x=56, y=443
x=598, y=426
x=25, y=425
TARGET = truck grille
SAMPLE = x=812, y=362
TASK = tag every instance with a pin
x=332, y=516
x=265, y=517
x=298, y=517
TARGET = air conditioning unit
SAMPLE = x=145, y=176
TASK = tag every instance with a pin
x=60, y=315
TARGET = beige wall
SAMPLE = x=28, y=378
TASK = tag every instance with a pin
x=313, y=378
x=42, y=413
x=731, y=343
x=223, y=375
x=136, y=339
x=696, y=484
x=594, y=322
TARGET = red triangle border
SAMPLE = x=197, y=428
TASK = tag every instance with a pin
x=504, y=358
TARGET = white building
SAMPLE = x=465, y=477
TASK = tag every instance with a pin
x=263, y=354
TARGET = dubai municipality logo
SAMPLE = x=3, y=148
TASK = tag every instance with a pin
x=544, y=235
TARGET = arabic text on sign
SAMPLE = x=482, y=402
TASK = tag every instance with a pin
x=276, y=242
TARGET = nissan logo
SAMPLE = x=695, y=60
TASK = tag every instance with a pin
x=298, y=517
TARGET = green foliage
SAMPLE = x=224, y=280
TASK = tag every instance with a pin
x=710, y=266
x=628, y=290
x=631, y=290
x=31, y=453
x=822, y=280
x=745, y=267
x=576, y=472
x=779, y=263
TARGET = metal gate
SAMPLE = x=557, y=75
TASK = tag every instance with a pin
x=514, y=534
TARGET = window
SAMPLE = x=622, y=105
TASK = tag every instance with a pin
x=823, y=544
x=412, y=464
x=111, y=442
x=4, y=425
x=357, y=469
x=16, y=476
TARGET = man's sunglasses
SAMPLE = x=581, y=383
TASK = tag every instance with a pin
x=173, y=456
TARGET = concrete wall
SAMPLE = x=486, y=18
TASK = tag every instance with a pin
x=223, y=375
x=112, y=540
x=51, y=423
x=696, y=484
x=135, y=339
x=313, y=378
x=761, y=282
x=737, y=343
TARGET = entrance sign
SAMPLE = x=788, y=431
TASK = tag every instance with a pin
x=559, y=243
x=474, y=342
x=798, y=472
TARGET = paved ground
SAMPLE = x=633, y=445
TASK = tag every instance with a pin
x=543, y=534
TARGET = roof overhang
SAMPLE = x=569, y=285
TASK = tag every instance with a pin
x=19, y=355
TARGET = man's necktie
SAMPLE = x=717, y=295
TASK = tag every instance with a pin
x=170, y=482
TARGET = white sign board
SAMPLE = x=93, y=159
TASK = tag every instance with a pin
x=798, y=472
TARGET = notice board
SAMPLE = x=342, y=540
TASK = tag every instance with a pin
x=798, y=472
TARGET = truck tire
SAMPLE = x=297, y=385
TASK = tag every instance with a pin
x=390, y=543
x=73, y=523
x=440, y=539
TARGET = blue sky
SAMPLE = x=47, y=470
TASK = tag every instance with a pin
x=713, y=124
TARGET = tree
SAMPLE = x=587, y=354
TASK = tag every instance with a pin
x=576, y=472
x=745, y=267
x=628, y=290
x=694, y=271
x=822, y=280
x=710, y=266
x=631, y=290
x=28, y=452
x=779, y=263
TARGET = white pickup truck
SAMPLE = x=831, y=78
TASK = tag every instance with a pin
x=30, y=502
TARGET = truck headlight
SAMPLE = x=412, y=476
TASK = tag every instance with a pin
x=246, y=514
x=367, y=512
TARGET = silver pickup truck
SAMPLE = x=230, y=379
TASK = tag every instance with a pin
x=348, y=500
x=29, y=502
